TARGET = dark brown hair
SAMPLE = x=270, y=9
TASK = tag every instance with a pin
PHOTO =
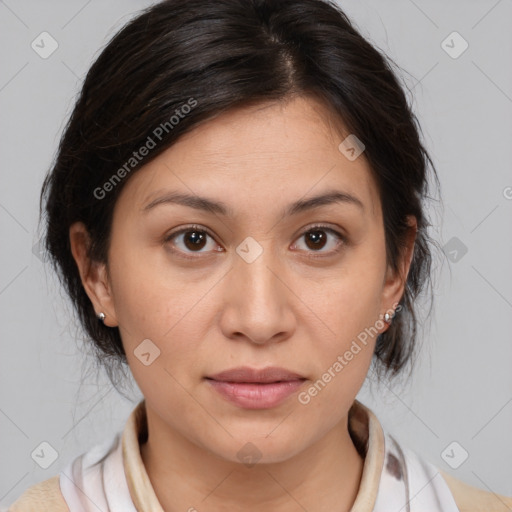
x=215, y=56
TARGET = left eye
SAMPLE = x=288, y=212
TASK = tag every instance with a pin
x=316, y=238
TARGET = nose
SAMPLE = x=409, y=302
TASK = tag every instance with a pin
x=258, y=301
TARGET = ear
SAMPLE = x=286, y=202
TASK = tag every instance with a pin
x=395, y=280
x=93, y=274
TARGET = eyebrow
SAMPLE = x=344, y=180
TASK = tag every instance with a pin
x=218, y=207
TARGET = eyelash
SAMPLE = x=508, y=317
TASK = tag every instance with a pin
x=315, y=227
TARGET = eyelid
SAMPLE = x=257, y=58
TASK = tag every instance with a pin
x=184, y=229
x=325, y=227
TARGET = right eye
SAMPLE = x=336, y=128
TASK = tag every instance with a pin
x=192, y=240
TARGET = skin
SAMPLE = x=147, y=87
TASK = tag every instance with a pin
x=216, y=311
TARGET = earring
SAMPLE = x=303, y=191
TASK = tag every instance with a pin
x=101, y=317
x=388, y=318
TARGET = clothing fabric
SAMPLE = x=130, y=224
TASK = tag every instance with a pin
x=111, y=477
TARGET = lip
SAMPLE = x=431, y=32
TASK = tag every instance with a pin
x=252, y=388
x=264, y=375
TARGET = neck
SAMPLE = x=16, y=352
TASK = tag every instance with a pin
x=188, y=477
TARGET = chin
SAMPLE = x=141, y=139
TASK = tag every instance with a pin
x=249, y=448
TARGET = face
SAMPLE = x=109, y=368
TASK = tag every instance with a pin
x=252, y=281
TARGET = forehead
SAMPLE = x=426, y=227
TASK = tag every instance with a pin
x=257, y=156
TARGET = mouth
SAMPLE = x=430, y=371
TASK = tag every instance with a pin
x=245, y=374
x=251, y=388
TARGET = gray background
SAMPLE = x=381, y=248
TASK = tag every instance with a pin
x=462, y=388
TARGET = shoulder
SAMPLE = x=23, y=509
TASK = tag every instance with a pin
x=473, y=499
x=41, y=497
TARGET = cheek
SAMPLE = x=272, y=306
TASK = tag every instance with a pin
x=351, y=298
x=355, y=325
x=343, y=357
x=149, y=303
x=349, y=304
x=158, y=303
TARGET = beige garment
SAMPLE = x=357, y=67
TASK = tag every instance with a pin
x=366, y=433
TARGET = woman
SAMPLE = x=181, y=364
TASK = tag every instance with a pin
x=236, y=211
